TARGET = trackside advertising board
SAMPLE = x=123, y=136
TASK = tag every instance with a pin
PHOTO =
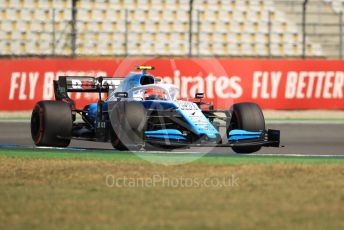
x=273, y=84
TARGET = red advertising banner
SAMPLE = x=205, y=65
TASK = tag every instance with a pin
x=273, y=84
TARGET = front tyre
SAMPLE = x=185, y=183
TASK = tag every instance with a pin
x=128, y=123
x=116, y=142
x=51, y=124
x=247, y=116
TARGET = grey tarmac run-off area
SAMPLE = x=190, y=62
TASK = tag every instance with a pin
x=316, y=138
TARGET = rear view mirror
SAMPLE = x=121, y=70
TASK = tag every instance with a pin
x=121, y=94
x=199, y=95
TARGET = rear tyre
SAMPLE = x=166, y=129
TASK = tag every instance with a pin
x=51, y=124
x=247, y=116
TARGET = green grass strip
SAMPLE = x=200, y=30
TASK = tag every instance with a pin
x=66, y=154
x=128, y=156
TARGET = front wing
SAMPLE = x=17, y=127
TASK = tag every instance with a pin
x=269, y=138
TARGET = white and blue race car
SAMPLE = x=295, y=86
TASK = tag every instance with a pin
x=141, y=112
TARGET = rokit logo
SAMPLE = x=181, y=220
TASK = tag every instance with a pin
x=92, y=84
x=82, y=84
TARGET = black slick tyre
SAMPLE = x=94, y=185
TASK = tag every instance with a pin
x=247, y=116
x=128, y=121
x=51, y=124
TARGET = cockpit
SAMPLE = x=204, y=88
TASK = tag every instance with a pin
x=143, y=86
x=165, y=92
x=154, y=94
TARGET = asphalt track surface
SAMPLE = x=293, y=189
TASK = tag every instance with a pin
x=298, y=138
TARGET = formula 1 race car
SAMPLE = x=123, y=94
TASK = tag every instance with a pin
x=142, y=112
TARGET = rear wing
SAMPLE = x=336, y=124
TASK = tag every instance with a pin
x=67, y=84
